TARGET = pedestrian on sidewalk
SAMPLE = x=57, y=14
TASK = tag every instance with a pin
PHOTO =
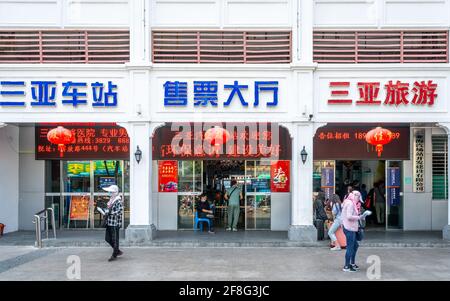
x=114, y=220
x=234, y=196
x=350, y=220
x=336, y=210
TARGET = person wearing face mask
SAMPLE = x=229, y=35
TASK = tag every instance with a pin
x=205, y=210
x=114, y=220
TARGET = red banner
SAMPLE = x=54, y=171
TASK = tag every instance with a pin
x=280, y=176
x=168, y=176
x=92, y=142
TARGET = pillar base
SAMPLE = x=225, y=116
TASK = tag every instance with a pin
x=303, y=233
x=136, y=234
x=446, y=232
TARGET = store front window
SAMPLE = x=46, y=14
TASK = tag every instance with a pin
x=78, y=192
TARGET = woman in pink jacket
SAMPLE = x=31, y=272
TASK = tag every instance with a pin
x=350, y=217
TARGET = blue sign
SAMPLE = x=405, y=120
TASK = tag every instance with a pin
x=106, y=182
x=206, y=93
x=327, y=181
x=393, y=185
x=43, y=94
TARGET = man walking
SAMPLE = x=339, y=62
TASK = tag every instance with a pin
x=233, y=196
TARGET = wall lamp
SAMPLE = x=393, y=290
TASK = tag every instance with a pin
x=304, y=155
x=138, y=154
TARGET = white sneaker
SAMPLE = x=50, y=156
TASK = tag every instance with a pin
x=234, y=230
x=228, y=229
x=335, y=248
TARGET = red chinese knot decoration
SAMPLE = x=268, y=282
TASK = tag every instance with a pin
x=379, y=137
x=61, y=136
x=217, y=136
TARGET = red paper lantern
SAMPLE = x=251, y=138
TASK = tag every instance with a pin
x=217, y=136
x=61, y=136
x=379, y=137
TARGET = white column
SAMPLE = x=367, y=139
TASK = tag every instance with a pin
x=302, y=228
x=305, y=31
x=139, y=36
x=141, y=226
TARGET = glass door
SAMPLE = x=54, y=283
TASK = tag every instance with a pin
x=394, y=195
x=82, y=191
x=190, y=186
x=257, y=195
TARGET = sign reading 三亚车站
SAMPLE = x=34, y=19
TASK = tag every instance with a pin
x=92, y=142
x=51, y=93
x=206, y=93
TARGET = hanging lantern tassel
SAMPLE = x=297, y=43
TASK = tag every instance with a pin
x=379, y=149
x=61, y=149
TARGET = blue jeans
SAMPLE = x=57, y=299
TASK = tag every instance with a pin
x=352, y=247
x=334, y=227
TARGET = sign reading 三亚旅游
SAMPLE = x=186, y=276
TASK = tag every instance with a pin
x=393, y=185
x=396, y=93
x=206, y=93
x=92, y=142
x=50, y=93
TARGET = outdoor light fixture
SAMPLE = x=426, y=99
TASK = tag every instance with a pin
x=138, y=154
x=304, y=155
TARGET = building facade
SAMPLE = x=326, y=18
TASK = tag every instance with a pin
x=311, y=78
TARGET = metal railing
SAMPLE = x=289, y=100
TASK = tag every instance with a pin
x=42, y=216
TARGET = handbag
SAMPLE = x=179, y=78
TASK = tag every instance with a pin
x=104, y=222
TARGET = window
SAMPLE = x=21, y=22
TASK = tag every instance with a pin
x=380, y=46
x=440, y=167
x=65, y=46
x=226, y=47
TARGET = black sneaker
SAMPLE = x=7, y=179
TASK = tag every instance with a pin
x=349, y=269
x=119, y=253
x=112, y=258
x=355, y=267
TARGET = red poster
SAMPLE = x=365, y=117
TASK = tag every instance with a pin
x=280, y=176
x=168, y=176
x=79, y=208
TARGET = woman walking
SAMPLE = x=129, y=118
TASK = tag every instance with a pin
x=336, y=209
x=114, y=220
x=350, y=218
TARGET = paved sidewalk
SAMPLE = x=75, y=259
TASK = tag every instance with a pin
x=206, y=264
x=184, y=239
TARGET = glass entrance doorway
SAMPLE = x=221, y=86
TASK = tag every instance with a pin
x=379, y=181
x=75, y=188
x=214, y=178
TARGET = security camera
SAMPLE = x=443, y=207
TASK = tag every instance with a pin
x=310, y=117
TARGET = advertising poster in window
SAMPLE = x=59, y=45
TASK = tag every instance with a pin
x=393, y=185
x=280, y=176
x=327, y=181
x=79, y=208
x=168, y=176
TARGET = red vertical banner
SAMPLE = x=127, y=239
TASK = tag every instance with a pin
x=168, y=176
x=280, y=176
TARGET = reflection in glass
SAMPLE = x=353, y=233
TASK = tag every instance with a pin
x=258, y=212
x=186, y=205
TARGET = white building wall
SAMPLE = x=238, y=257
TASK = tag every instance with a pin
x=9, y=177
x=31, y=180
x=381, y=13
